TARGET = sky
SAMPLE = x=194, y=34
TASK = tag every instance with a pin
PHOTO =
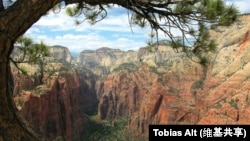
x=114, y=31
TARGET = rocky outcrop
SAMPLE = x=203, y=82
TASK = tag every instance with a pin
x=61, y=54
x=122, y=93
x=148, y=96
x=224, y=97
x=174, y=90
x=55, y=99
x=104, y=61
x=58, y=107
x=100, y=60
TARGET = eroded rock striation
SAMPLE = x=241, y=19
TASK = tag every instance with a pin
x=179, y=91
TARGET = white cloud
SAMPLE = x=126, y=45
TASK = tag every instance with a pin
x=123, y=39
x=92, y=41
x=114, y=31
x=71, y=37
x=56, y=21
x=62, y=22
x=243, y=5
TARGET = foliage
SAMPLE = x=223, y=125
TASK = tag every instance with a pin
x=106, y=130
x=23, y=70
x=130, y=67
x=155, y=70
x=247, y=100
x=92, y=13
x=217, y=106
x=234, y=103
x=29, y=52
x=198, y=84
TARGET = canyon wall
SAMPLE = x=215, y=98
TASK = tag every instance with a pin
x=57, y=107
x=172, y=89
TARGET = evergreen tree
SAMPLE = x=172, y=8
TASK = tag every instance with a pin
x=17, y=16
x=29, y=52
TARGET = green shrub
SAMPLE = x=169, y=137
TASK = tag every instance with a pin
x=106, y=130
x=130, y=67
x=197, y=84
x=234, y=103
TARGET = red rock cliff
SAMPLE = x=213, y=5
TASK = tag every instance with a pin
x=57, y=108
x=147, y=97
x=182, y=92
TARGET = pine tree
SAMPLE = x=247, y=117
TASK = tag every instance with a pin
x=29, y=52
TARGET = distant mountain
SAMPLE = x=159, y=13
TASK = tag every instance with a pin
x=61, y=54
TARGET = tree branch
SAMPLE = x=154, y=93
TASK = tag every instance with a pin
x=24, y=13
x=1, y=5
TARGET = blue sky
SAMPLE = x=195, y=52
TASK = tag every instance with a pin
x=114, y=31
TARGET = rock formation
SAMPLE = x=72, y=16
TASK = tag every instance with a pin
x=182, y=92
x=61, y=54
x=57, y=107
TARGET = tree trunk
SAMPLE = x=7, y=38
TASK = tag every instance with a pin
x=12, y=127
x=14, y=21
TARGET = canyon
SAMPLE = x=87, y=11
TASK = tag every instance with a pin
x=159, y=86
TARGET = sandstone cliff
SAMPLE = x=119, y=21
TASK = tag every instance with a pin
x=105, y=60
x=100, y=60
x=59, y=106
x=225, y=94
x=159, y=95
x=56, y=105
x=61, y=54
x=174, y=90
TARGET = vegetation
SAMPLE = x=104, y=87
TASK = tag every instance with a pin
x=107, y=130
x=168, y=63
x=198, y=84
x=247, y=100
x=217, y=105
x=29, y=52
x=104, y=131
x=130, y=67
x=155, y=70
x=234, y=103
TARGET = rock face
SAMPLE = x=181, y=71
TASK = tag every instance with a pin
x=61, y=54
x=55, y=104
x=104, y=61
x=174, y=90
x=224, y=97
x=99, y=61
x=58, y=107
x=151, y=95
